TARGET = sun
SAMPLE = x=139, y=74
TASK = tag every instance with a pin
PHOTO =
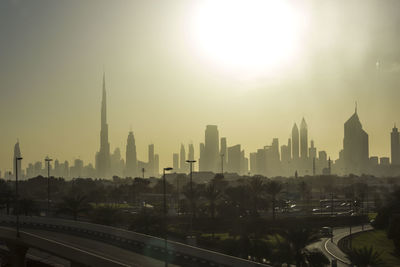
x=248, y=36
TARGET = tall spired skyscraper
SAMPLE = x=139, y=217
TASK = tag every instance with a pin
x=131, y=159
x=303, y=139
x=295, y=142
x=103, y=156
x=355, y=146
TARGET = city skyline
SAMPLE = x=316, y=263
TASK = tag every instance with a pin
x=164, y=83
x=214, y=153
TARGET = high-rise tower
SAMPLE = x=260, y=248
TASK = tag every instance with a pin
x=295, y=142
x=182, y=158
x=103, y=156
x=303, y=139
x=395, y=146
x=211, y=148
x=355, y=146
x=131, y=158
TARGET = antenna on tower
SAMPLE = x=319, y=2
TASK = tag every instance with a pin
x=356, y=108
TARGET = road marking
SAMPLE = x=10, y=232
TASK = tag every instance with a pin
x=330, y=253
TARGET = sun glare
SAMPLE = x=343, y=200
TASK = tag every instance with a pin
x=249, y=36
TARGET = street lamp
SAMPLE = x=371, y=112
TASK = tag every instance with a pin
x=17, y=159
x=165, y=216
x=191, y=162
x=48, y=160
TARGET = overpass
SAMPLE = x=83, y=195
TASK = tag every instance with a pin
x=130, y=248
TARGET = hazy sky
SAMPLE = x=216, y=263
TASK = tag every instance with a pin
x=167, y=81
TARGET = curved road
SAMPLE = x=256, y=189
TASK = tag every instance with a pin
x=331, y=250
x=102, y=249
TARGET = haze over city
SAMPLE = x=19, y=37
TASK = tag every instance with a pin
x=165, y=83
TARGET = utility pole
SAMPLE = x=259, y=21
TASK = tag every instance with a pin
x=191, y=162
x=165, y=216
x=17, y=159
x=48, y=160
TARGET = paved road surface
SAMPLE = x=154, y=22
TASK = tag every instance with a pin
x=99, y=248
x=331, y=250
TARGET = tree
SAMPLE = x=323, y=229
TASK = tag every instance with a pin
x=6, y=195
x=316, y=258
x=273, y=188
x=106, y=214
x=212, y=194
x=256, y=190
x=365, y=257
x=74, y=205
x=27, y=206
x=297, y=239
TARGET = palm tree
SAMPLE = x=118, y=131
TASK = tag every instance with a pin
x=212, y=195
x=297, y=239
x=274, y=188
x=256, y=188
x=74, y=205
x=316, y=258
x=365, y=257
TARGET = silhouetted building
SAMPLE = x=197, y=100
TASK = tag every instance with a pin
x=253, y=163
x=384, y=161
x=175, y=162
x=131, y=156
x=150, y=164
x=183, y=165
x=234, y=159
x=117, y=163
x=202, y=163
x=224, y=152
x=395, y=146
x=312, y=150
x=156, y=165
x=211, y=148
x=191, y=152
x=303, y=139
x=355, y=146
x=295, y=142
x=103, y=156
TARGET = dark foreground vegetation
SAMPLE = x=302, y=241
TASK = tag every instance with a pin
x=264, y=220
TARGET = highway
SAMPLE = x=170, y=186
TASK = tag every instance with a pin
x=331, y=250
x=99, y=248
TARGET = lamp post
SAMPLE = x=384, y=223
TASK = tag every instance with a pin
x=17, y=159
x=191, y=162
x=48, y=160
x=165, y=216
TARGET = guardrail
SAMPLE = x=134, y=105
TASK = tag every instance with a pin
x=181, y=253
x=59, y=249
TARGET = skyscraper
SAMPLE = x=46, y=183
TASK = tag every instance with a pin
x=103, y=156
x=295, y=142
x=395, y=146
x=303, y=139
x=224, y=151
x=234, y=159
x=175, y=162
x=150, y=165
x=191, y=152
x=131, y=156
x=312, y=150
x=355, y=146
x=211, y=148
x=183, y=165
x=17, y=154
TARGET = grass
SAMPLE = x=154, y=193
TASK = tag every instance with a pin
x=380, y=242
x=372, y=216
